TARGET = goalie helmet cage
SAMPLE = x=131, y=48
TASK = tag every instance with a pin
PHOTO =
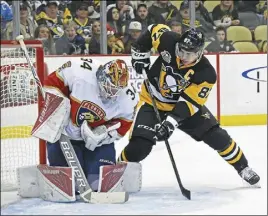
x=20, y=105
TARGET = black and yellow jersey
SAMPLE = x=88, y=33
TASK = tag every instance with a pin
x=167, y=76
x=55, y=25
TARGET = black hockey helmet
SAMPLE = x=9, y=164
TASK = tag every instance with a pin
x=190, y=46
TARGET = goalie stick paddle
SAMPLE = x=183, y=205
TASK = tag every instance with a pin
x=184, y=191
x=81, y=181
x=86, y=193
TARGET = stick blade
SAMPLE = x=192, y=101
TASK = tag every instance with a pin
x=109, y=198
x=186, y=193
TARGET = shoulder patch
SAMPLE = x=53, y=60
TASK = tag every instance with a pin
x=166, y=56
x=65, y=65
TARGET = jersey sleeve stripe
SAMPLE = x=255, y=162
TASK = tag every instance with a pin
x=59, y=76
x=53, y=81
x=125, y=126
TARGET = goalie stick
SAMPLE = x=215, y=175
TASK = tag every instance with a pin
x=184, y=191
x=86, y=193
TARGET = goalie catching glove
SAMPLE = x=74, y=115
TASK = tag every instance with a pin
x=100, y=135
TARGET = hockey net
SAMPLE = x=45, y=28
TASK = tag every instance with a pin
x=19, y=110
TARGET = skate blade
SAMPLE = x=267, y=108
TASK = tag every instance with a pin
x=246, y=184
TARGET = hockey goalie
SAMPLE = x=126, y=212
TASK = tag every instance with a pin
x=94, y=105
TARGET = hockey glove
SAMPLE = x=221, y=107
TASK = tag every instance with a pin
x=99, y=136
x=140, y=60
x=164, y=131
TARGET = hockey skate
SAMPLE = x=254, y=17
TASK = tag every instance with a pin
x=250, y=176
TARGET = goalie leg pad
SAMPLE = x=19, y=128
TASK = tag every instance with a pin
x=55, y=184
x=121, y=177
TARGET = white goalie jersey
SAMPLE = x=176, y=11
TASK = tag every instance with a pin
x=77, y=81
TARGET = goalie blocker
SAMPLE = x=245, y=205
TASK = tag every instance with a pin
x=57, y=184
x=53, y=118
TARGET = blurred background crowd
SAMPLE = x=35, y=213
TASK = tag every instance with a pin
x=74, y=27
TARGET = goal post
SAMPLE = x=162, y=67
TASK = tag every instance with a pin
x=20, y=105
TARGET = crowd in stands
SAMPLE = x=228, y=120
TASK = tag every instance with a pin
x=73, y=27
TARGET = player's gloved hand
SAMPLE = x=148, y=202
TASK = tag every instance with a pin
x=140, y=60
x=100, y=135
x=164, y=131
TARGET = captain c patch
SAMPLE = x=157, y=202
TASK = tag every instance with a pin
x=89, y=111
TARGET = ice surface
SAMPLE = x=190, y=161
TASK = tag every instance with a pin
x=215, y=185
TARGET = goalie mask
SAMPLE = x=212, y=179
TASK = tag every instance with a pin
x=112, y=78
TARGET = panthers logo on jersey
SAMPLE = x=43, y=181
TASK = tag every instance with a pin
x=90, y=112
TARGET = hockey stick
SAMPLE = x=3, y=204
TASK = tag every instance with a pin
x=184, y=191
x=86, y=193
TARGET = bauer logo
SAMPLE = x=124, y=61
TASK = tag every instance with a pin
x=89, y=111
x=258, y=75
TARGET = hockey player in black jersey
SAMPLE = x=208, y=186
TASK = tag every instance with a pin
x=181, y=79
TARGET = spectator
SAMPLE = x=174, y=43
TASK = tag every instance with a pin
x=96, y=6
x=265, y=15
x=64, y=12
x=245, y=6
x=201, y=11
x=70, y=43
x=206, y=23
x=43, y=34
x=92, y=5
x=50, y=18
x=184, y=17
x=175, y=26
x=82, y=20
x=126, y=12
x=262, y=12
x=200, y=19
x=27, y=25
x=135, y=4
x=261, y=7
x=94, y=44
x=94, y=15
x=163, y=11
x=220, y=44
x=143, y=17
x=35, y=6
x=134, y=32
x=225, y=14
x=113, y=21
x=6, y=16
x=114, y=44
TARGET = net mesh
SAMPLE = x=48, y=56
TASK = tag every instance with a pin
x=19, y=110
